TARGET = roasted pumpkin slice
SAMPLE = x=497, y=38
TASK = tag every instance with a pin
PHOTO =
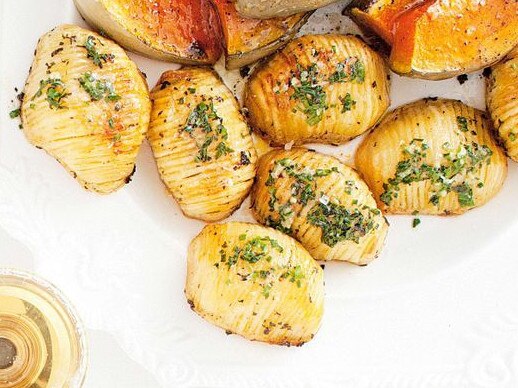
x=87, y=105
x=201, y=142
x=255, y=282
x=502, y=101
x=260, y=9
x=319, y=88
x=247, y=40
x=184, y=31
x=321, y=202
x=438, y=39
x=432, y=157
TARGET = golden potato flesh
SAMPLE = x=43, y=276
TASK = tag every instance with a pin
x=321, y=202
x=502, y=101
x=87, y=105
x=255, y=282
x=319, y=88
x=432, y=157
x=201, y=142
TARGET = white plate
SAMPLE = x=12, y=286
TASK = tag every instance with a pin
x=121, y=258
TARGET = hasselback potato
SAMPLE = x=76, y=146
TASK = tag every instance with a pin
x=86, y=104
x=255, y=282
x=321, y=88
x=321, y=202
x=502, y=101
x=201, y=142
x=432, y=157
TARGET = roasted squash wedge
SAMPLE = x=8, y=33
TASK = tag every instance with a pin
x=201, y=142
x=247, y=40
x=319, y=88
x=182, y=31
x=432, y=157
x=260, y=9
x=321, y=202
x=502, y=101
x=436, y=39
x=255, y=282
x=87, y=105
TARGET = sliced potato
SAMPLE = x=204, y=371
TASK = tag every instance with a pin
x=87, y=105
x=260, y=9
x=439, y=39
x=182, y=31
x=321, y=202
x=432, y=157
x=321, y=88
x=248, y=40
x=202, y=144
x=502, y=101
x=255, y=282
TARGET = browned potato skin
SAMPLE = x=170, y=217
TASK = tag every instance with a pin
x=335, y=187
x=206, y=190
x=229, y=298
x=434, y=121
x=502, y=102
x=274, y=114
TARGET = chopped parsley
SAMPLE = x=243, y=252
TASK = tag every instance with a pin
x=253, y=250
x=462, y=123
x=294, y=275
x=257, y=249
x=351, y=70
x=14, y=113
x=309, y=93
x=339, y=223
x=303, y=189
x=98, y=88
x=347, y=103
x=203, y=122
x=55, y=92
x=450, y=176
x=512, y=136
x=415, y=222
x=97, y=58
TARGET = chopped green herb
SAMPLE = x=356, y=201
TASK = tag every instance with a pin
x=98, y=88
x=352, y=69
x=347, y=103
x=55, y=91
x=303, y=189
x=97, y=58
x=255, y=249
x=266, y=290
x=512, y=136
x=191, y=90
x=462, y=123
x=309, y=93
x=14, y=113
x=200, y=124
x=448, y=177
x=339, y=223
x=294, y=275
x=222, y=149
x=415, y=222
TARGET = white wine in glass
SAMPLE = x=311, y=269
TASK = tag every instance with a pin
x=42, y=342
